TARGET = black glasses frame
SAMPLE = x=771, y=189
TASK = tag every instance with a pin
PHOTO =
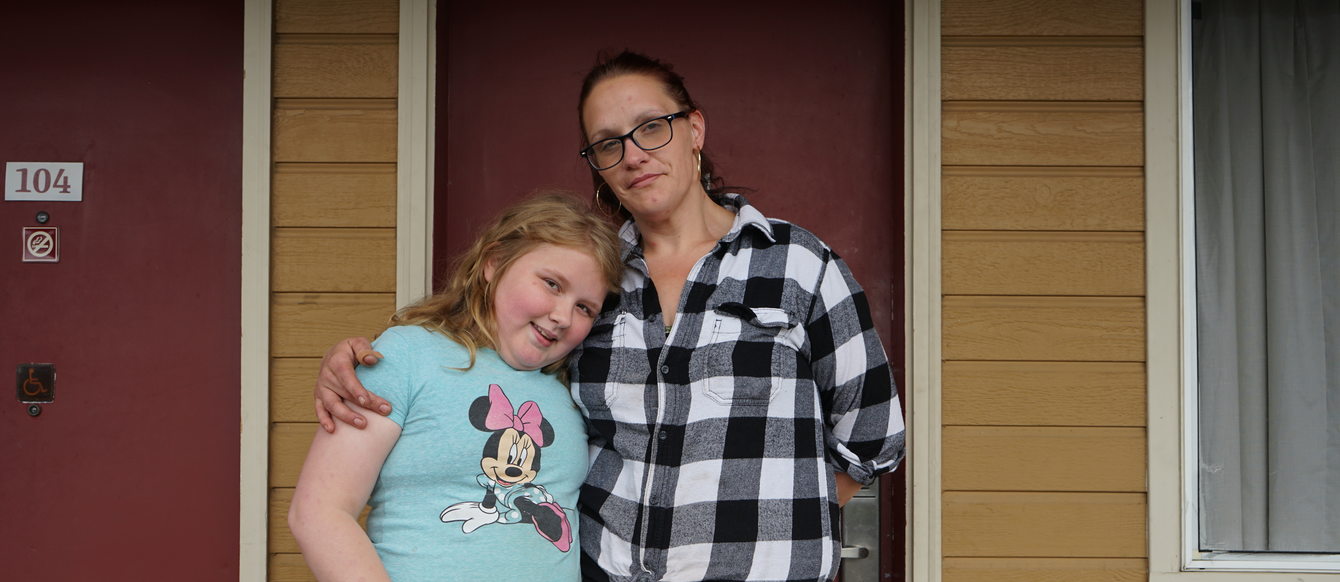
x=588, y=152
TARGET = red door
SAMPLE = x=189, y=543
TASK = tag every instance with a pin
x=803, y=104
x=131, y=472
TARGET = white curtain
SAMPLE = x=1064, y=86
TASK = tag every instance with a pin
x=1266, y=108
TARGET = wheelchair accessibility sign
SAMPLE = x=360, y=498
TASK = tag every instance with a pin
x=36, y=383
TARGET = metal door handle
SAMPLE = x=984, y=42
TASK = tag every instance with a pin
x=855, y=552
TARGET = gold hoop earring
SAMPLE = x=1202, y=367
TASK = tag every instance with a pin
x=618, y=203
x=704, y=179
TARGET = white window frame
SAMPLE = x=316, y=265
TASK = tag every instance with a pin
x=1174, y=552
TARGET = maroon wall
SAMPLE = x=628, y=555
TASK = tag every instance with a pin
x=799, y=98
x=131, y=474
x=803, y=103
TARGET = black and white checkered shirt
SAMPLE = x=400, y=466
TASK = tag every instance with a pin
x=713, y=448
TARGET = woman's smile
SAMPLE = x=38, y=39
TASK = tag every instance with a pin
x=642, y=180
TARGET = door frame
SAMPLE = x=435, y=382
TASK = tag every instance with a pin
x=254, y=391
x=924, y=556
x=416, y=118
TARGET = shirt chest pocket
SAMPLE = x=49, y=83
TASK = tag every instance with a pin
x=613, y=366
x=752, y=354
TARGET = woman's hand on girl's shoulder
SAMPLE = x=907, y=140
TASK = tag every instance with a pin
x=336, y=383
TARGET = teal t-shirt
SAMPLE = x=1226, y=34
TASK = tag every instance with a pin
x=483, y=481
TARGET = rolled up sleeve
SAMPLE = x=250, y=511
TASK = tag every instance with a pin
x=864, y=428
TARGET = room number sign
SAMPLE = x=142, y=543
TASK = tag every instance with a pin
x=44, y=181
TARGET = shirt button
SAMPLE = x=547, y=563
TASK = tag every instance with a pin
x=660, y=435
x=665, y=369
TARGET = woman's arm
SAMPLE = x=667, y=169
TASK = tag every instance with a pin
x=846, y=487
x=337, y=384
x=865, y=421
x=335, y=483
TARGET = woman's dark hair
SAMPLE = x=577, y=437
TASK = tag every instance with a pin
x=631, y=63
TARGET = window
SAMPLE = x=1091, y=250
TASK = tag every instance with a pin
x=1263, y=400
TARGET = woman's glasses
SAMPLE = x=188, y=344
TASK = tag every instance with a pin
x=651, y=134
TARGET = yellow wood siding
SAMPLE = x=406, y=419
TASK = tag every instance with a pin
x=1045, y=570
x=314, y=195
x=333, y=215
x=1042, y=133
x=303, y=259
x=1092, y=329
x=1075, y=198
x=289, y=442
x=335, y=65
x=1067, y=18
x=291, y=382
x=1042, y=69
x=1043, y=382
x=289, y=568
x=336, y=16
x=281, y=539
x=1005, y=393
x=1044, y=524
x=307, y=324
x=1051, y=458
x=334, y=130
x=1043, y=263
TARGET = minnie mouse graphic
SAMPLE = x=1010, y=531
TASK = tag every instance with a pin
x=511, y=461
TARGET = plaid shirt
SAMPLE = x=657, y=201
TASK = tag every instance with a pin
x=713, y=448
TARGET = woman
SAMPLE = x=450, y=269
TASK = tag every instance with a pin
x=737, y=393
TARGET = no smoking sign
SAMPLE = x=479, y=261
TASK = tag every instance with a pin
x=41, y=244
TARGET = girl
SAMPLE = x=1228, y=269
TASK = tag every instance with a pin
x=475, y=377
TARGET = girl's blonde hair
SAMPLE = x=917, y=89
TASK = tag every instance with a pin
x=463, y=309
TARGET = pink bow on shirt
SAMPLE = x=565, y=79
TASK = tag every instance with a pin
x=526, y=420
